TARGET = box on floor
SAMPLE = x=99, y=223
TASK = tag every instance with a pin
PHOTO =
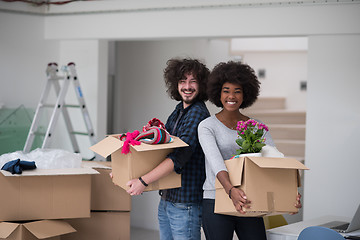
x=101, y=225
x=45, y=229
x=45, y=194
x=105, y=195
x=141, y=159
x=269, y=183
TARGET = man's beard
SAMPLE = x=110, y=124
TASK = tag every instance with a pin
x=190, y=100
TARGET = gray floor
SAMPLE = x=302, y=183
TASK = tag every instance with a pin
x=140, y=234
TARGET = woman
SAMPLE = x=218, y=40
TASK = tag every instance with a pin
x=231, y=86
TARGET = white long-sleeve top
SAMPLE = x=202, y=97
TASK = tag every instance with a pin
x=218, y=144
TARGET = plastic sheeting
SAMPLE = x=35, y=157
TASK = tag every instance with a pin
x=45, y=158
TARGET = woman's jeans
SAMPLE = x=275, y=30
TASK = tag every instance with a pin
x=179, y=221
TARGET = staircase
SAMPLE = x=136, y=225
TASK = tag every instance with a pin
x=287, y=128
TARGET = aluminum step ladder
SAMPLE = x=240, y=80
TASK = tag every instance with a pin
x=70, y=75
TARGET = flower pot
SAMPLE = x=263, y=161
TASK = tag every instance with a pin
x=250, y=154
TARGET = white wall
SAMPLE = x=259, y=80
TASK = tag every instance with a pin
x=332, y=129
x=152, y=21
x=23, y=62
x=328, y=34
x=284, y=73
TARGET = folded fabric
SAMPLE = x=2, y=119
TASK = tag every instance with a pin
x=154, y=135
x=17, y=166
x=154, y=123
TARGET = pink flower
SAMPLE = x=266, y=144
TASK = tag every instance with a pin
x=249, y=131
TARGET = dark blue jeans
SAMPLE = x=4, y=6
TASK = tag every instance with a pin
x=219, y=226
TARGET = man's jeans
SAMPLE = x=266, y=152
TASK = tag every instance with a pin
x=179, y=221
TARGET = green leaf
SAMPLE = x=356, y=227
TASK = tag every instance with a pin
x=239, y=141
x=245, y=145
x=258, y=146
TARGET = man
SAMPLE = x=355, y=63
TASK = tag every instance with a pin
x=180, y=209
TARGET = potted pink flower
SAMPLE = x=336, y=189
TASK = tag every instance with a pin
x=251, y=136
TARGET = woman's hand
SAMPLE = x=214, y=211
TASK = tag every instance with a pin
x=136, y=187
x=298, y=203
x=239, y=200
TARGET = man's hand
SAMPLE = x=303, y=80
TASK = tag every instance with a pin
x=136, y=187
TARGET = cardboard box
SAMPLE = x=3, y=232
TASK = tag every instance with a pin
x=101, y=225
x=269, y=183
x=105, y=195
x=141, y=159
x=45, y=194
x=46, y=229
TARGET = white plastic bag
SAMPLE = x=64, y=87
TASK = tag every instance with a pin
x=45, y=158
x=269, y=151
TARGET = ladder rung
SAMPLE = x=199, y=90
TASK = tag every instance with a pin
x=72, y=106
x=80, y=133
x=57, y=78
x=66, y=105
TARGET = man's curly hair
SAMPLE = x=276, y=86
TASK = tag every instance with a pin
x=236, y=73
x=177, y=69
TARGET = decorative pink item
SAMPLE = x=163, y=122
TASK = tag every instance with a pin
x=130, y=139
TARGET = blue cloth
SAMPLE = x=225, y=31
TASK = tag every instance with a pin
x=179, y=221
x=17, y=166
x=189, y=161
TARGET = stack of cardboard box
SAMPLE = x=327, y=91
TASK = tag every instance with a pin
x=70, y=194
x=32, y=204
x=110, y=209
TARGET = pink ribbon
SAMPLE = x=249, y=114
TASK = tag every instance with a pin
x=130, y=139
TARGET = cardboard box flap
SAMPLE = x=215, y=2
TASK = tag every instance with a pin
x=110, y=144
x=235, y=176
x=286, y=163
x=95, y=164
x=52, y=172
x=49, y=228
x=107, y=146
x=177, y=142
x=6, y=229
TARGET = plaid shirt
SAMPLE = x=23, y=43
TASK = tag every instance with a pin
x=188, y=161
